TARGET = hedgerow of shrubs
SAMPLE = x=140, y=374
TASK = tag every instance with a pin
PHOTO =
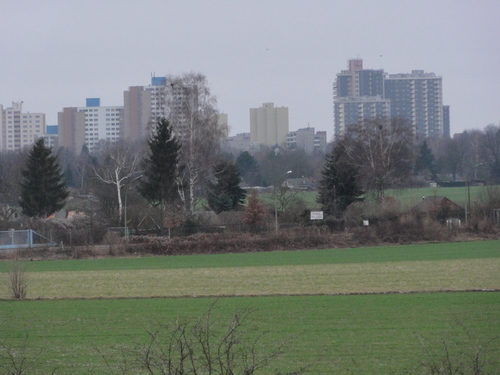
x=216, y=243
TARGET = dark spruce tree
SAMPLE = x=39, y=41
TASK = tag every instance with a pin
x=43, y=189
x=225, y=193
x=158, y=185
x=248, y=168
x=425, y=161
x=338, y=187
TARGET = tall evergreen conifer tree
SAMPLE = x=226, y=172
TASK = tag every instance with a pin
x=43, y=189
x=425, y=160
x=160, y=168
x=225, y=194
x=338, y=187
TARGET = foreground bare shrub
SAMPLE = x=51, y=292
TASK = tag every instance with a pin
x=467, y=355
x=203, y=346
x=20, y=359
x=17, y=280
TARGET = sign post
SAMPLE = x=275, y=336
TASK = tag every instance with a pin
x=316, y=215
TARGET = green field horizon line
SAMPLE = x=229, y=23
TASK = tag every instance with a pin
x=215, y=296
x=373, y=254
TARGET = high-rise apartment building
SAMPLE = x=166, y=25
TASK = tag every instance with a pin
x=136, y=112
x=358, y=94
x=71, y=129
x=417, y=97
x=356, y=81
x=99, y=123
x=350, y=110
x=269, y=125
x=18, y=129
x=143, y=105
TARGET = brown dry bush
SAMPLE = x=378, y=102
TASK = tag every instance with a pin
x=17, y=280
x=412, y=227
x=481, y=218
x=216, y=243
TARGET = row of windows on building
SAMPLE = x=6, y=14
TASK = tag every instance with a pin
x=96, y=110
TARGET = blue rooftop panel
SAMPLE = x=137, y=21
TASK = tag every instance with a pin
x=51, y=129
x=93, y=102
x=158, y=81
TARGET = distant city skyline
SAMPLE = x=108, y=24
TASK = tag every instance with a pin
x=57, y=53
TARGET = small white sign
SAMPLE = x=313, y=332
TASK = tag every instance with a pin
x=366, y=223
x=316, y=215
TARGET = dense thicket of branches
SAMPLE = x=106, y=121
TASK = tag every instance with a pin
x=490, y=151
x=381, y=151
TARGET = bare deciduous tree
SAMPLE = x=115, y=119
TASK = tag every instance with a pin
x=194, y=116
x=382, y=151
x=455, y=150
x=117, y=166
x=288, y=200
x=490, y=151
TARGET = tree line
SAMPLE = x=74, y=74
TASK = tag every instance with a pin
x=162, y=181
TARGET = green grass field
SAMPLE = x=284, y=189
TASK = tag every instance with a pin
x=380, y=333
x=341, y=334
x=407, y=197
x=374, y=254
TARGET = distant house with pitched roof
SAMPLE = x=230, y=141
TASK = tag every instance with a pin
x=439, y=208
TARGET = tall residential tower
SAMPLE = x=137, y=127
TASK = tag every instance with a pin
x=358, y=94
x=18, y=128
x=269, y=125
x=417, y=97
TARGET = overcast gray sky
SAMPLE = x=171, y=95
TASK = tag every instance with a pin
x=57, y=53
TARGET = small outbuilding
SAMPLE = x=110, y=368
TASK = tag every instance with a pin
x=300, y=184
x=440, y=208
